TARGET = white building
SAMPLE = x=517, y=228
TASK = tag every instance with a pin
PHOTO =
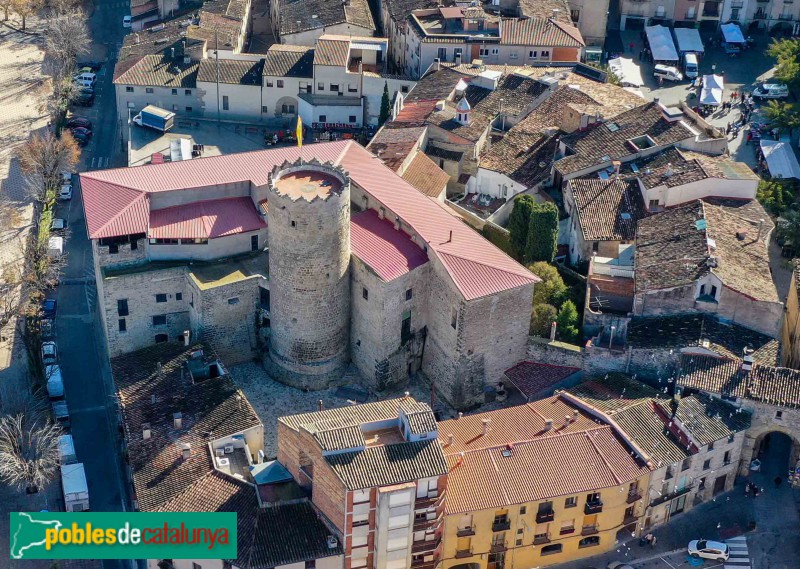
x=303, y=22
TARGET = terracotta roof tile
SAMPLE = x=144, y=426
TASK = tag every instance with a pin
x=301, y=15
x=289, y=61
x=231, y=71
x=356, y=415
x=426, y=176
x=332, y=51
x=613, y=393
x=386, y=250
x=607, y=210
x=533, y=378
x=542, y=32
x=393, y=145
x=708, y=419
x=157, y=70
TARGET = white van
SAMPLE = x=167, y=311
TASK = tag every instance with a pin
x=667, y=72
x=690, y=68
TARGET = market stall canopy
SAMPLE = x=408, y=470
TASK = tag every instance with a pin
x=661, y=45
x=628, y=72
x=688, y=40
x=732, y=33
x=781, y=161
x=711, y=93
x=713, y=82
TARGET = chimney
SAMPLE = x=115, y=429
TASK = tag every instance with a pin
x=407, y=395
x=617, y=165
x=177, y=420
x=397, y=222
x=567, y=420
x=668, y=172
x=186, y=450
x=460, y=414
x=760, y=227
x=548, y=424
x=153, y=399
x=145, y=431
x=172, y=53
x=158, y=367
x=486, y=423
x=747, y=360
x=556, y=12
x=187, y=335
x=381, y=212
x=449, y=440
x=321, y=405
x=553, y=327
x=575, y=415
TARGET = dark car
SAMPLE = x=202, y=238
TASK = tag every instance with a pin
x=85, y=99
x=81, y=131
x=79, y=122
x=49, y=307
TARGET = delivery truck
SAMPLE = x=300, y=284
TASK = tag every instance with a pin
x=76, y=491
x=66, y=450
x=156, y=118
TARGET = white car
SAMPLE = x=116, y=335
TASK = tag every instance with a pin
x=706, y=549
x=66, y=177
x=667, y=72
x=49, y=353
x=771, y=91
x=66, y=192
x=85, y=79
x=126, y=21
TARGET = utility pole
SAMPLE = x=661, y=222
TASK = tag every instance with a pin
x=216, y=57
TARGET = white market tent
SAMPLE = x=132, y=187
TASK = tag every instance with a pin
x=732, y=33
x=661, y=45
x=712, y=91
x=629, y=73
x=780, y=159
x=688, y=40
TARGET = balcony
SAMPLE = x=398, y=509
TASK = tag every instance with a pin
x=423, y=564
x=428, y=502
x=667, y=497
x=544, y=517
x=628, y=520
x=566, y=531
x=465, y=532
x=501, y=525
x=633, y=496
x=711, y=10
x=498, y=547
x=593, y=508
x=589, y=530
x=540, y=539
x=737, y=4
x=762, y=1
x=759, y=16
x=424, y=546
x=462, y=553
x=421, y=525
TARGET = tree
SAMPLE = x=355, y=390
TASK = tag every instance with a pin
x=567, y=321
x=67, y=38
x=385, y=105
x=518, y=223
x=542, y=239
x=786, y=52
x=28, y=443
x=541, y=319
x=6, y=5
x=43, y=158
x=25, y=8
x=64, y=92
x=775, y=195
x=552, y=288
x=783, y=115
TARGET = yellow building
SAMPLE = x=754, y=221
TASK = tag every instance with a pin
x=790, y=332
x=537, y=484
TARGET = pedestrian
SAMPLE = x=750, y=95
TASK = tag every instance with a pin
x=660, y=81
x=632, y=46
x=728, y=131
x=778, y=481
x=653, y=542
x=746, y=486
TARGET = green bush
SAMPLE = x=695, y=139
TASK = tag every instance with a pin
x=776, y=195
x=567, y=321
x=542, y=239
x=541, y=318
x=552, y=288
x=500, y=238
x=518, y=224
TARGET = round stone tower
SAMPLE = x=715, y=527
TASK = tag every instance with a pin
x=309, y=261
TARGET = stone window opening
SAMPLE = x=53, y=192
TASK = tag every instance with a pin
x=293, y=223
x=122, y=307
x=779, y=415
x=727, y=458
x=453, y=318
x=405, y=328
x=161, y=338
x=707, y=464
x=123, y=326
x=234, y=300
x=160, y=320
x=409, y=294
x=161, y=297
x=364, y=293
x=178, y=296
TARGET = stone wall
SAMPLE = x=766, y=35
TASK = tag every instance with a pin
x=766, y=419
x=555, y=353
x=310, y=286
x=653, y=366
x=140, y=290
x=126, y=255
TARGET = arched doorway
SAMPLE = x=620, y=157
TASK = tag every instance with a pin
x=286, y=106
x=777, y=453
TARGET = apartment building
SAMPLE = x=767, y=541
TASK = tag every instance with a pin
x=302, y=22
x=462, y=35
x=196, y=249
x=377, y=472
x=520, y=492
x=694, y=443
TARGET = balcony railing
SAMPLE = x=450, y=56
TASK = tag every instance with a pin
x=423, y=564
x=498, y=547
x=544, y=517
x=737, y=4
x=540, y=539
x=711, y=11
x=589, y=530
x=759, y=16
x=666, y=497
x=501, y=525
x=628, y=520
x=428, y=502
x=462, y=553
x=421, y=525
x=593, y=508
x=465, y=532
x=633, y=496
x=566, y=531
x=424, y=546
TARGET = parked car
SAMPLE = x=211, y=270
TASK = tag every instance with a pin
x=706, y=549
x=81, y=139
x=126, y=21
x=85, y=99
x=66, y=177
x=771, y=91
x=81, y=131
x=79, y=122
x=667, y=72
x=49, y=307
x=618, y=565
x=85, y=79
x=66, y=192
x=47, y=328
x=58, y=225
x=49, y=353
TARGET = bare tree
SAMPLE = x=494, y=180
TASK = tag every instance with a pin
x=43, y=158
x=67, y=38
x=61, y=6
x=25, y=8
x=6, y=5
x=64, y=92
x=28, y=442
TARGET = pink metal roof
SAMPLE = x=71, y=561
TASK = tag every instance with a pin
x=388, y=251
x=477, y=267
x=205, y=220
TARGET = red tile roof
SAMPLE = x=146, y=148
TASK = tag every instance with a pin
x=539, y=32
x=532, y=378
x=477, y=267
x=388, y=251
x=425, y=175
x=205, y=220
